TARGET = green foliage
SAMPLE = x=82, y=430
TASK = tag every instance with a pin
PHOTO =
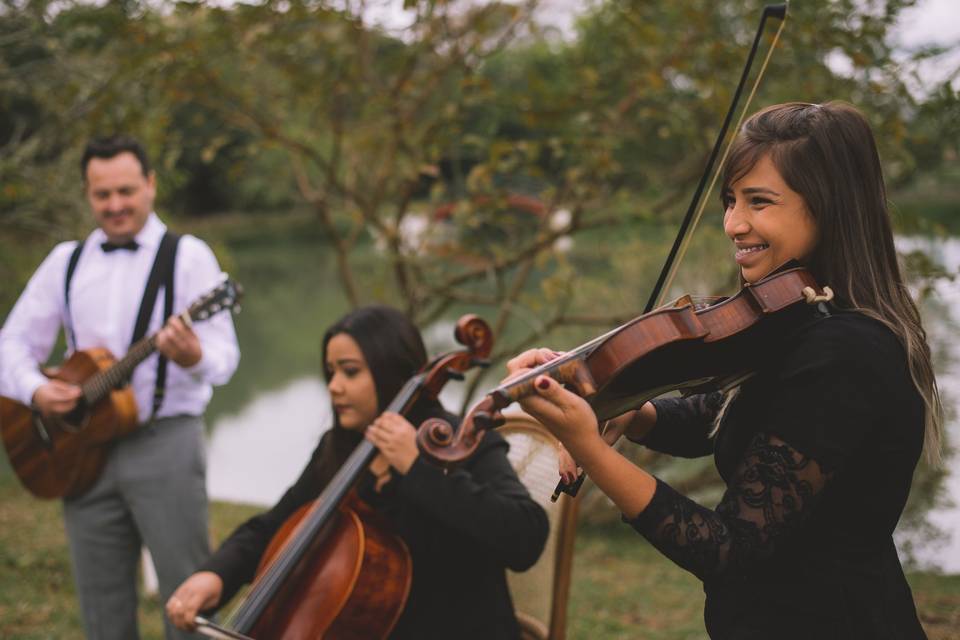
x=264, y=106
x=418, y=151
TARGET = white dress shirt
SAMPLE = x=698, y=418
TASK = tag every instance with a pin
x=105, y=294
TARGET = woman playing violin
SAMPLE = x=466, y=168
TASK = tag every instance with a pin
x=817, y=449
x=462, y=528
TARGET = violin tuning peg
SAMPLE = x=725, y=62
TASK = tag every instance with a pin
x=488, y=421
x=455, y=375
x=480, y=362
x=483, y=420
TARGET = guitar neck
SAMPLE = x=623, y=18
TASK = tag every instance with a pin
x=101, y=384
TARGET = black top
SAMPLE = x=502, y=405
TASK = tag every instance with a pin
x=462, y=528
x=817, y=452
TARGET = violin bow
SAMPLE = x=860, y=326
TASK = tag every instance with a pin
x=698, y=203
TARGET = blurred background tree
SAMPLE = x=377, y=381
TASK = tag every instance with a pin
x=423, y=138
x=487, y=162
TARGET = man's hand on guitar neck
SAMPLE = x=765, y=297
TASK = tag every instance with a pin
x=56, y=397
x=179, y=343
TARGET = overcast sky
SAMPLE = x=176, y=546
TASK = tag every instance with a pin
x=930, y=22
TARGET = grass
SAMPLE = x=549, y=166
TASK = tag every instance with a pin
x=622, y=588
x=37, y=595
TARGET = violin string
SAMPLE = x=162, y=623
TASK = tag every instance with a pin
x=716, y=174
x=546, y=367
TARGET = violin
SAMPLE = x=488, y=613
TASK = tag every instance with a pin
x=334, y=569
x=677, y=347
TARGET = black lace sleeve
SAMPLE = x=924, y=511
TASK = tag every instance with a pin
x=684, y=425
x=774, y=489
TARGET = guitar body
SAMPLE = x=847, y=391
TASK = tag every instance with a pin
x=62, y=456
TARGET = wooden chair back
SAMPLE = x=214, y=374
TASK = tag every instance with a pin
x=540, y=594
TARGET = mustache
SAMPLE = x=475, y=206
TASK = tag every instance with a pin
x=117, y=213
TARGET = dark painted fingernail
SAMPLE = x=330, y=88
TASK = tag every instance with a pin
x=544, y=383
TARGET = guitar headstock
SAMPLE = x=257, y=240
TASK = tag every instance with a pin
x=224, y=296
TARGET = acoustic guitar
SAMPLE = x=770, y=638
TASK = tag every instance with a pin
x=62, y=455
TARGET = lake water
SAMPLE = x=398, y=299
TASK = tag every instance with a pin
x=256, y=451
x=942, y=320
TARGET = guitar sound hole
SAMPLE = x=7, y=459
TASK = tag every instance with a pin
x=75, y=419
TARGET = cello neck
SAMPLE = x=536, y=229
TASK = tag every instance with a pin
x=317, y=518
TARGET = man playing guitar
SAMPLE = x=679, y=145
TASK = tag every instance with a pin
x=152, y=488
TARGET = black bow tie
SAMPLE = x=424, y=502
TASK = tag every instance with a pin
x=126, y=246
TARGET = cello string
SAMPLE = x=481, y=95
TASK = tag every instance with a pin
x=265, y=588
x=684, y=245
x=293, y=550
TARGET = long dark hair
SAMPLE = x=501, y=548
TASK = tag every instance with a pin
x=390, y=343
x=394, y=351
x=827, y=154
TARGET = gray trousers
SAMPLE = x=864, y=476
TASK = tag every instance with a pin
x=152, y=491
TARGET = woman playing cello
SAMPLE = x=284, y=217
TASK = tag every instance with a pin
x=462, y=528
x=818, y=448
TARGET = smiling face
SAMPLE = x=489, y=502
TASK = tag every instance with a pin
x=353, y=390
x=767, y=221
x=120, y=195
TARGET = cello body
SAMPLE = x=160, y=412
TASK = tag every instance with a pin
x=352, y=584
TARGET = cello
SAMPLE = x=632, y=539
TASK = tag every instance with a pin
x=334, y=569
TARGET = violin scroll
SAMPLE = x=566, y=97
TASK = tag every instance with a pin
x=436, y=437
x=445, y=447
x=672, y=348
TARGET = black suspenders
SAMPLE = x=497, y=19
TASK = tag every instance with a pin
x=160, y=274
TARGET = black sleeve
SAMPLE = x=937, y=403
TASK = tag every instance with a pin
x=824, y=398
x=237, y=559
x=684, y=424
x=485, y=501
x=837, y=386
x=775, y=488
